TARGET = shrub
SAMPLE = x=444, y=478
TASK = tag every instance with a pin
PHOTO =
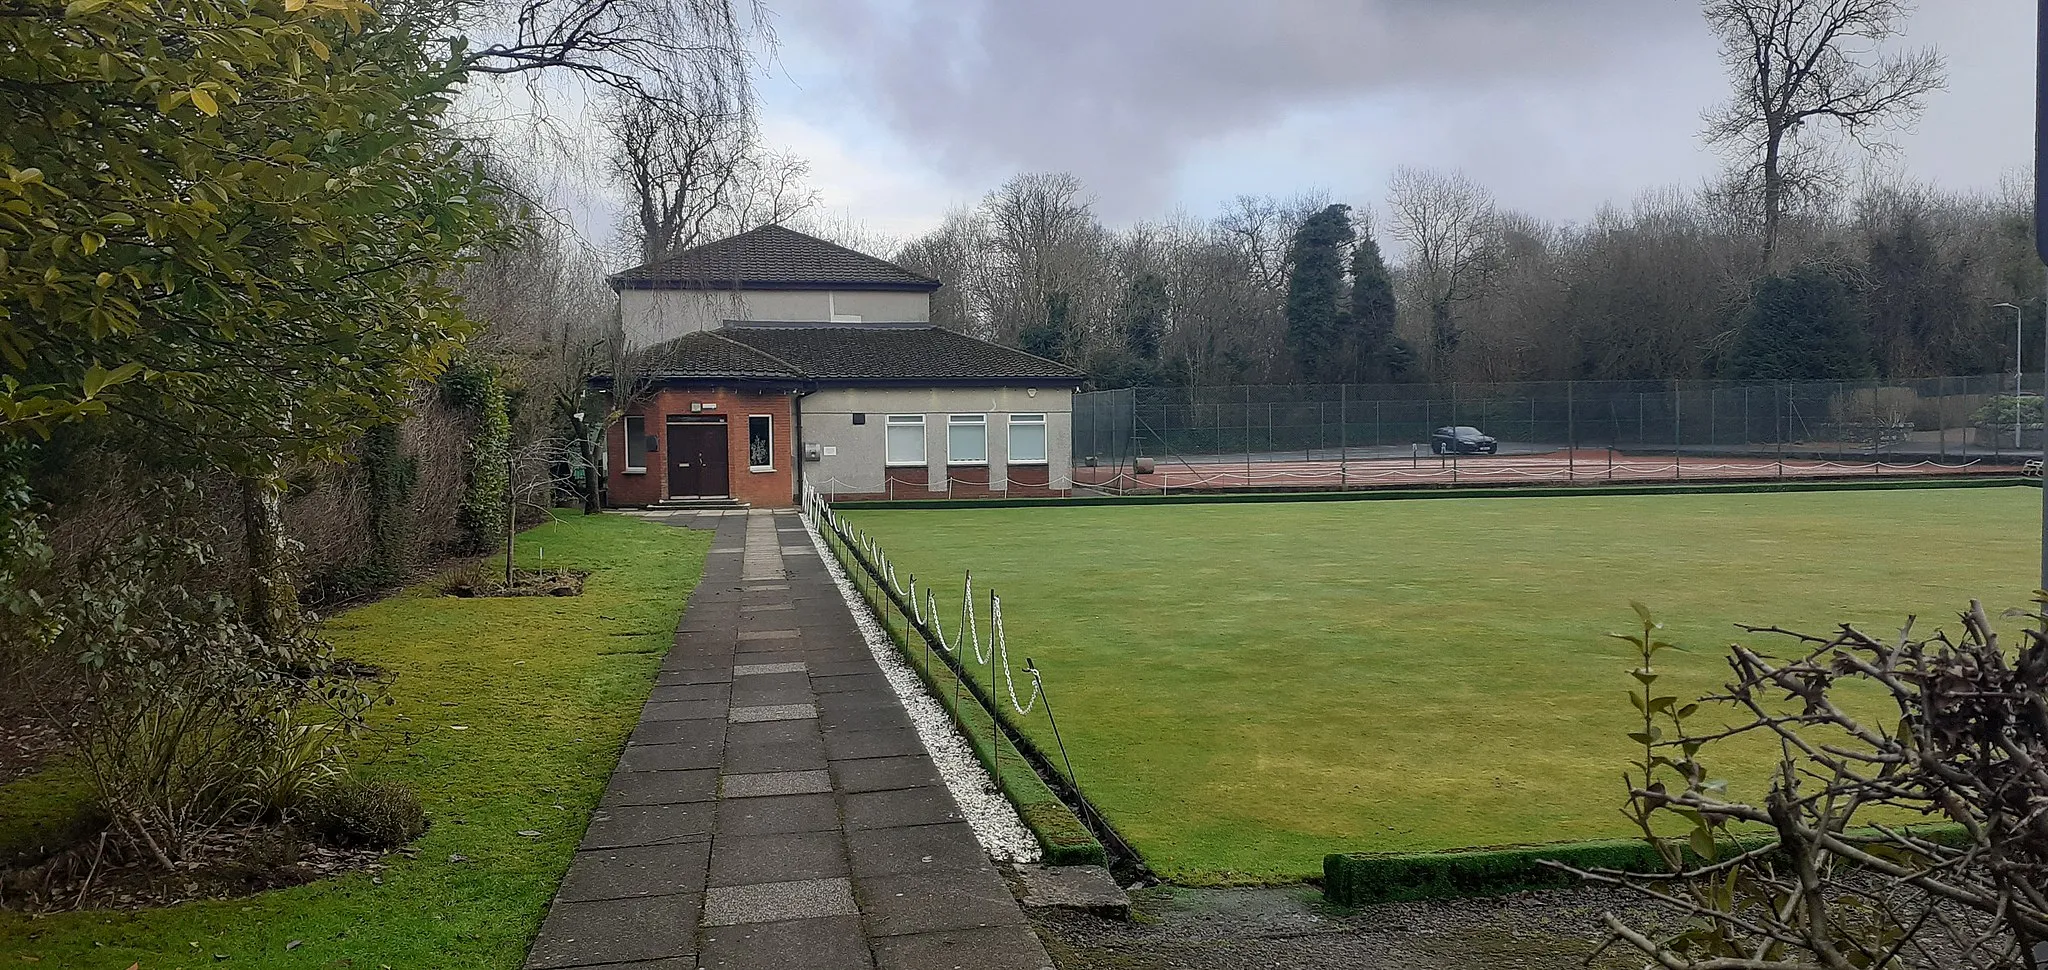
x=366, y=814
x=1999, y=413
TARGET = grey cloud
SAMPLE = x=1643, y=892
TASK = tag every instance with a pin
x=1118, y=90
x=1559, y=104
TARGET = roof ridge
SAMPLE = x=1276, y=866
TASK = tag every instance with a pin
x=794, y=369
x=774, y=255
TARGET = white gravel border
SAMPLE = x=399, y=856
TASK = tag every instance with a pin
x=995, y=821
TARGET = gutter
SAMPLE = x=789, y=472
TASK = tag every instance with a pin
x=796, y=420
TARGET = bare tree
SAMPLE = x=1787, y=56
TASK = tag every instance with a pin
x=648, y=49
x=952, y=254
x=1451, y=230
x=1043, y=246
x=693, y=168
x=1797, y=63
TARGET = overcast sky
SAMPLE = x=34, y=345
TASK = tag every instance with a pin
x=909, y=107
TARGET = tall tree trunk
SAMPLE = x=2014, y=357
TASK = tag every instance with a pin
x=273, y=600
x=1774, y=200
x=587, y=448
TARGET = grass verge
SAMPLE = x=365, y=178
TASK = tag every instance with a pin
x=509, y=715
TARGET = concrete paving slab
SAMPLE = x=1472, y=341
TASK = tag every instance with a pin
x=669, y=757
x=1085, y=889
x=661, y=787
x=923, y=848
x=630, y=825
x=632, y=871
x=615, y=931
x=749, y=636
x=719, y=692
x=840, y=683
x=803, y=730
x=709, y=731
x=776, y=901
x=772, y=712
x=884, y=774
x=837, y=662
x=815, y=782
x=713, y=675
x=894, y=742
x=900, y=807
x=746, y=693
x=926, y=902
x=999, y=948
x=828, y=943
x=745, y=860
x=832, y=719
x=777, y=814
x=757, y=757
x=783, y=667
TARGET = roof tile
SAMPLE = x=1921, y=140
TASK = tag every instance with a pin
x=851, y=352
x=772, y=258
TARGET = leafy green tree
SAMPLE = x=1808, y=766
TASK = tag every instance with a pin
x=1315, y=284
x=1145, y=317
x=1051, y=339
x=1805, y=325
x=1369, y=327
x=228, y=226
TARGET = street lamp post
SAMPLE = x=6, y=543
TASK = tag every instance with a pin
x=2018, y=367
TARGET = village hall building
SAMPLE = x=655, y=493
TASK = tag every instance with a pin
x=772, y=359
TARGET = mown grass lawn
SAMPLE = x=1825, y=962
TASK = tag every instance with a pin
x=509, y=716
x=1245, y=688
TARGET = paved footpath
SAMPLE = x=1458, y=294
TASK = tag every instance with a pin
x=775, y=808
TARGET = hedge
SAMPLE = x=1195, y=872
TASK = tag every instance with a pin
x=1365, y=878
x=1446, y=491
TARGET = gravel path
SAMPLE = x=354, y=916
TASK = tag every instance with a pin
x=1240, y=929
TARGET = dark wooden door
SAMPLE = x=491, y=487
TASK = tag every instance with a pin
x=696, y=460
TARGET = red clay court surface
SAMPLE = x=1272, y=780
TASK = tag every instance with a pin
x=1559, y=467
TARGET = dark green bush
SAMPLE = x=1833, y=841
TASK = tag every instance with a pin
x=366, y=814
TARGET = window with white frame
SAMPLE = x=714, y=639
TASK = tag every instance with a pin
x=967, y=439
x=760, y=443
x=904, y=440
x=636, y=443
x=1027, y=439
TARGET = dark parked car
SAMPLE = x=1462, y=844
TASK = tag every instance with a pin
x=1462, y=440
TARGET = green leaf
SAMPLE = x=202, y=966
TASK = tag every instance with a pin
x=1688, y=711
x=1703, y=843
x=98, y=378
x=204, y=102
x=1642, y=612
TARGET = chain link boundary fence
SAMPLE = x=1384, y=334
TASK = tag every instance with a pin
x=1947, y=424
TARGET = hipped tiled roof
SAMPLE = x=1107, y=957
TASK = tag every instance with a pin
x=772, y=258
x=854, y=353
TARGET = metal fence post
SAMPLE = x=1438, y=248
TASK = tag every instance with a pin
x=1677, y=431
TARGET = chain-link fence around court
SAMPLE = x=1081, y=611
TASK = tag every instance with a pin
x=1301, y=435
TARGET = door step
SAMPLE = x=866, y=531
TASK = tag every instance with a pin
x=695, y=504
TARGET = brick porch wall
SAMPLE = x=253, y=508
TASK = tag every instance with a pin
x=767, y=489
